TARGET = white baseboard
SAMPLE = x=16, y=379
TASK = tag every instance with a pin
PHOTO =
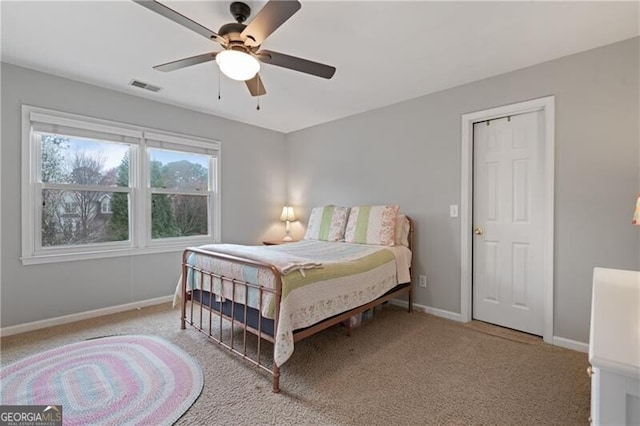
x=429, y=310
x=557, y=341
x=65, y=319
x=570, y=344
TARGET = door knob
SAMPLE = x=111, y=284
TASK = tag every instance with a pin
x=478, y=231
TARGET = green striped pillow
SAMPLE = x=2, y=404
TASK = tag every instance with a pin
x=327, y=223
x=372, y=225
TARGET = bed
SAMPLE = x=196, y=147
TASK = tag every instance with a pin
x=285, y=293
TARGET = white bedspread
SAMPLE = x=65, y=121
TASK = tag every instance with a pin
x=285, y=262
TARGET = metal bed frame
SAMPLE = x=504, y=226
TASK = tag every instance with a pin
x=213, y=311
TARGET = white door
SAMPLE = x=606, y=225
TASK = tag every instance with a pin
x=507, y=222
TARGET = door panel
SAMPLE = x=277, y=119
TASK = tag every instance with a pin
x=507, y=259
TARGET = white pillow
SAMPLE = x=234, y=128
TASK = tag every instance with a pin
x=372, y=225
x=327, y=223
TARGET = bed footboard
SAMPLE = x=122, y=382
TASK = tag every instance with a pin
x=208, y=311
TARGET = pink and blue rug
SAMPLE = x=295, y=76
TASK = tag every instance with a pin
x=133, y=379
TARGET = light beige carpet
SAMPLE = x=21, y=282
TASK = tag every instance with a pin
x=395, y=369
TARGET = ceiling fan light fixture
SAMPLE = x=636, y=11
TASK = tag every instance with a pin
x=237, y=65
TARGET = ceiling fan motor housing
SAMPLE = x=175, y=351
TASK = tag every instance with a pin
x=231, y=30
x=234, y=40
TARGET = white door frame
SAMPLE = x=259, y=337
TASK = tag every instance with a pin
x=547, y=106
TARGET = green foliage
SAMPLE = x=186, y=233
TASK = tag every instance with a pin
x=163, y=222
x=157, y=175
x=118, y=226
x=185, y=175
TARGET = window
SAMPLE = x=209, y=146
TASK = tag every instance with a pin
x=105, y=204
x=93, y=188
x=77, y=177
x=179, y=187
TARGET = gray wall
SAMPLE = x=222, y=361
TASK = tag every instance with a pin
x=409, y=154
x=253, y=191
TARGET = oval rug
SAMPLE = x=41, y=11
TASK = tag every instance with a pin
x=132, y=379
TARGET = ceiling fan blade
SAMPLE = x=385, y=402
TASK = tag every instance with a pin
x=268, y=19
x=295, y=63
x=255, y=86
x=177, y=17
x=186, y=62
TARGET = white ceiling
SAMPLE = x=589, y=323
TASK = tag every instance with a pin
x=384, y=52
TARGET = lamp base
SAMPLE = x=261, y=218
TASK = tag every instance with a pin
x=287, y=238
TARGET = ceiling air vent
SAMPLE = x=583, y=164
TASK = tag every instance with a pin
x=143, y=85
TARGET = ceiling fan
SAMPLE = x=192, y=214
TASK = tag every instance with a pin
x=241, y=57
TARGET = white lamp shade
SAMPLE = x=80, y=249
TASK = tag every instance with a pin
x=237, y=65
x=287, y=214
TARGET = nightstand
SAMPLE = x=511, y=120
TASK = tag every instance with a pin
x=276, y=242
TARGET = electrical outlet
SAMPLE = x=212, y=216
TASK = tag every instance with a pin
x=453, y=210
x=423, y=281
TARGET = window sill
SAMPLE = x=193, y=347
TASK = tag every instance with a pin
x=102, y=254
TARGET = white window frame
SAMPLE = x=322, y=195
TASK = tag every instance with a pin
x=140, y=241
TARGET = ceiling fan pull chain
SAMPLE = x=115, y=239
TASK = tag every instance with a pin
x=258, y=91
x=219, y=83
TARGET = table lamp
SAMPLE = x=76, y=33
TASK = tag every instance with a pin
x=287, y=216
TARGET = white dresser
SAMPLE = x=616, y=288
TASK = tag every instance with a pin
x=614, y=347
